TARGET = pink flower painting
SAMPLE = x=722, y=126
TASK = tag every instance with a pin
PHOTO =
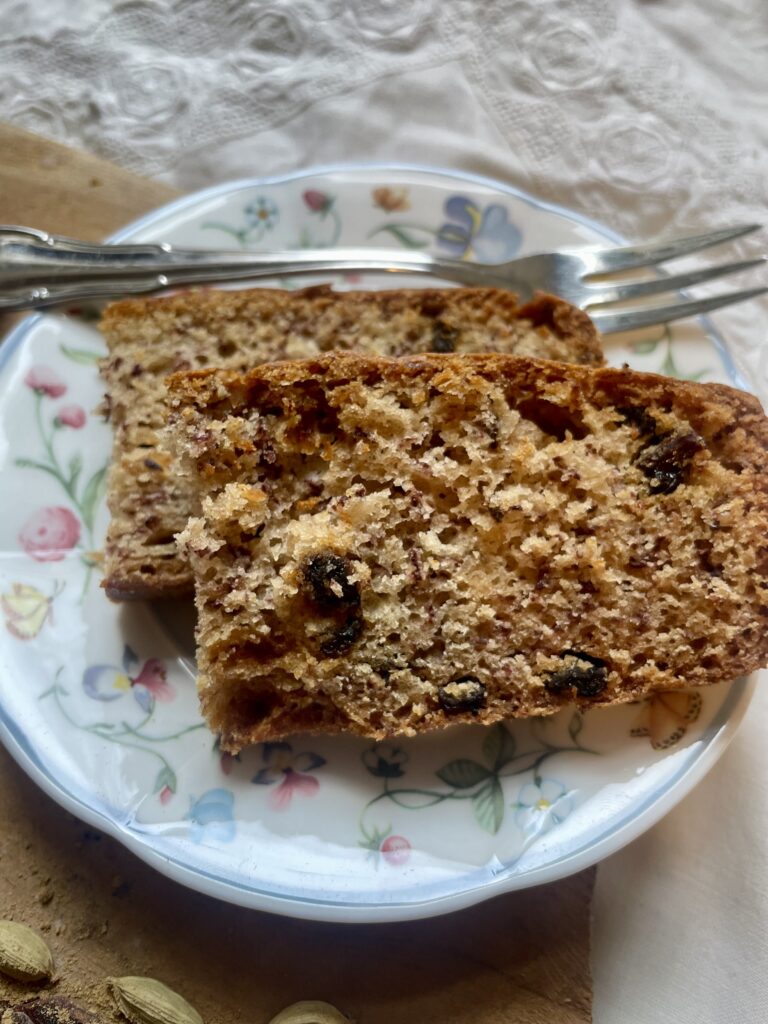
x=317, y=202
x=71, y=416
x=50, y=533
x=44, y=381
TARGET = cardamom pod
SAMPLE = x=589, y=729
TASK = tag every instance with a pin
x=310, y=1011
x=146, y=1001
x=23, y=954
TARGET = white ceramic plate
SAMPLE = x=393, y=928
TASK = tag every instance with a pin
x=97, y=702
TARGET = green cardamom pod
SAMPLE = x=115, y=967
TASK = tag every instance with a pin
x=146, y=1001
x=23, y=954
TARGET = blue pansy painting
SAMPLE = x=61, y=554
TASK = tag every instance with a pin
x=483, y=233
x=146, y=681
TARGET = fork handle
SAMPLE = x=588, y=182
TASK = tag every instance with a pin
x=39, y=270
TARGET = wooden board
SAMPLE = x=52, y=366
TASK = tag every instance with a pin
x=521, y=958
x=45, y=185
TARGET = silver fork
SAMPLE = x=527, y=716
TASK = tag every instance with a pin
x=38, y=270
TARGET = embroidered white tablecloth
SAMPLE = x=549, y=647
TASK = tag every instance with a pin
x=648, y=115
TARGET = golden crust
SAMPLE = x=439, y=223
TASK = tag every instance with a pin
x=552, y=315
x=734, y=417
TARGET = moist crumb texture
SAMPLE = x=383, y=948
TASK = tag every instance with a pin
x=390, y=546
x=151, y=338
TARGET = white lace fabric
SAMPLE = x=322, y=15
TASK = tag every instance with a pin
x=649, y=116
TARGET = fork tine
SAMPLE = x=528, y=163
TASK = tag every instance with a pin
x=628, y=257
x=612, y=323
x=622, y=292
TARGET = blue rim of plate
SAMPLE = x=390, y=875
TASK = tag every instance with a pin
x=474, y=886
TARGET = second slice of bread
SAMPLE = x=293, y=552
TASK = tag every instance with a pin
x=151, y=338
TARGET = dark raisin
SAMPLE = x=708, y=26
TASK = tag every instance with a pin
x=342, y=639
x=668, y=463
x=327, y=577
x=637, y=417
x=137, y=370
x=444, y=338
x=466, y=693
x=151, y=464
x=588, y=674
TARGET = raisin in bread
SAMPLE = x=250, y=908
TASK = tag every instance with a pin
x=390, y=546
x=150, y=338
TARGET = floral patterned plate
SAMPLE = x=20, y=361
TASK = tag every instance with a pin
x=97, y=702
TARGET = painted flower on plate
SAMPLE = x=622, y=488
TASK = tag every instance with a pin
x=324, y=227
x=541, y=804
x=396, y=850
x=49, y=533
x=26, y=610
x=211, y=817
x=261, y=212
x=44, y=381
x=317, y=202
x=665, y=717
x=391, y=200
x=385, y=760
x=70, y=416
x=289, y=771
x=146, y=682
x=485, y=233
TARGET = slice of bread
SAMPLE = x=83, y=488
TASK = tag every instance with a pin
x=390, y=546
x=151, y=338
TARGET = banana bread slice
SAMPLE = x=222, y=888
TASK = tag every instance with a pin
x=150, y=338
x=390, y=546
